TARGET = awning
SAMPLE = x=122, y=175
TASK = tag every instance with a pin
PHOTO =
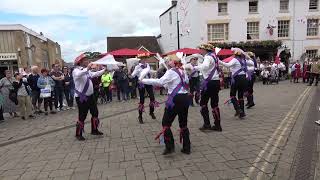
x=225, y=52
x=187, y=51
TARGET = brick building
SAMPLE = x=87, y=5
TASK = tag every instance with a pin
x=21, y=47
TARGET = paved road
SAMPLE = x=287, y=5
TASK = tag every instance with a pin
x=259, y=147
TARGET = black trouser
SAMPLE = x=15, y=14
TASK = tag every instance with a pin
x=239, y=86
x=47, y=102
x=312, y=77
x=226, y=82
x=124, y=90
x=180, y=108
x=212, y=94
x=150, y=92
x=58, y=100
x=83, y=107
x=194, y=88
x=1, y=113
x=265, y=80
x=108, y=93
x=36, y=100
x=250, y=98
x=69, y=98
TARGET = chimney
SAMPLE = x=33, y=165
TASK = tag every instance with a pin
x=174, y=2
x=41, y=34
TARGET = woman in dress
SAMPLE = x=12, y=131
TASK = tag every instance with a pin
x=5, y=87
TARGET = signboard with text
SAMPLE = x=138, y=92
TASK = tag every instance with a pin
x=8, y=56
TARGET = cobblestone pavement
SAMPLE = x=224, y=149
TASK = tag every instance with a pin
x=260, y=147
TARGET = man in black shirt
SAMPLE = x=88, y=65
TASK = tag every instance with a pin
x=58, y=78
x=35, y=91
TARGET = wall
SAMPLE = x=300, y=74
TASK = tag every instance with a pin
x=200, y=13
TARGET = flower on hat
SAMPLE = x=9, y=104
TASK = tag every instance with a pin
x=208, y=47
x=80, y=58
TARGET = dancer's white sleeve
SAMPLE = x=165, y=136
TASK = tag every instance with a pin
x=165, y=79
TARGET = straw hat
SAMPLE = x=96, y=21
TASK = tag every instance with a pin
x=250, y=54
x=237, y=51
x=173, y=57
x=207, y=47
x=80, y=58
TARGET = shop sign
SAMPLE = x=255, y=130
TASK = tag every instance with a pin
x=8, y=56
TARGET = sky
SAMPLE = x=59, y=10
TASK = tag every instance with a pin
x=83, y=25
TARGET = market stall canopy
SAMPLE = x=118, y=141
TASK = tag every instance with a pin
x=228, y=59
x=225, y=52
x=127, y=52
x=187, y=51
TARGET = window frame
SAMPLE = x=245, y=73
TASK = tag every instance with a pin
x=282, y=31
x=251, y=9
x=219, y=8
x=312, y=54
x=170, y=18
x=315, y=4
x=287, y=5
x=214, y=36
x=311, y=30
x=254, y=30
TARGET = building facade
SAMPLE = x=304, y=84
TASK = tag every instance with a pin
x=294, y=22
x=21, y=47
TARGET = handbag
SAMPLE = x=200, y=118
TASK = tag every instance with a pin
x=46, y=92
x=13, y=95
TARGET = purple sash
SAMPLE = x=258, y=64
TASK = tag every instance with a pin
x=243, y=68
x=82, y=95
x=182, y=84
x=216, y=68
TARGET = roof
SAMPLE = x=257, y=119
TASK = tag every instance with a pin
x=19, y=27
x=134, y=42
x=126, y=52
x=173, y=5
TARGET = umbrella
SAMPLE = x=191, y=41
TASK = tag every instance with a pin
x=109, y=61
x=187, y=51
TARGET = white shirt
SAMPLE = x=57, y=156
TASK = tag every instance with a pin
x=138, y=69
x=262, y=67
x=170, y=80
x=206, y=67
x=80, y=75
x=265, y=73
x=235, y=65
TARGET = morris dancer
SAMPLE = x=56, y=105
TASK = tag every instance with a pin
x=194, y=78
x=239, y=83
x=210, y=88
x=175, y=80
x=84, y=95
x=297, y=72
x=142, y=88
x=251, y=71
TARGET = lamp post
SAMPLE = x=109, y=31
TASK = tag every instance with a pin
x=178, y=30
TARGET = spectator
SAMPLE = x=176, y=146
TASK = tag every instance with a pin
x=134, y=83
x=5, y=86
x=66, y=87
x=265, y=76
x=35, y=91
x=46, y=82
x=1, y=107
x=23, y=92
x=106, y=80
x=58, y=78
x=71, y=88
x=122, y=83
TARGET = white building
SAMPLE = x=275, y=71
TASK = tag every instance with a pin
x=295, y=22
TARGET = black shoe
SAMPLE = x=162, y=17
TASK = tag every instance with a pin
x=152, y=116
x=80, y=138
x=140, y=120
x=184, y=151
x=216, y=128
x=168, y=151
x=247, y=104
x=40, y=111
x=242, y=115
x=250, y=106
x=23, y=118
x=46, y=113
x=53, y=112
x=237, y=114
x=32, y=117
x=96, y=133
x=205, y=128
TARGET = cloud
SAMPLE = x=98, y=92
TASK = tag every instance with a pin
x=83, y=25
